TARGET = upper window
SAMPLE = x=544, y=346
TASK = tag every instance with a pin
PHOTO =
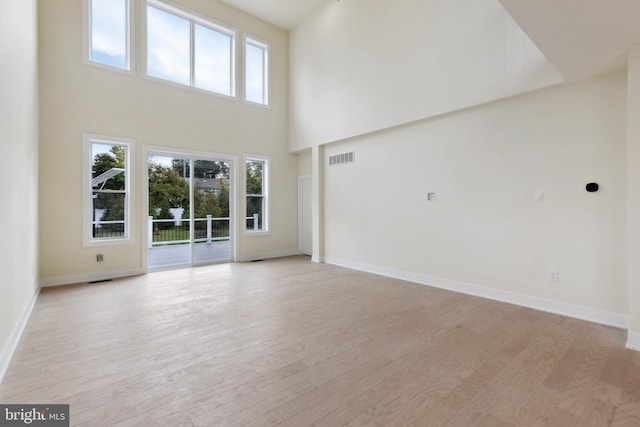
x=257, y=170
x=109, y=33
x=108, y=198
x=256, y=71
x=185, y=49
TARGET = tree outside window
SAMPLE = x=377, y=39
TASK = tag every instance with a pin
x=256, y=172
x=109, y=190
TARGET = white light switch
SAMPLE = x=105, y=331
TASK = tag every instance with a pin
x=538, y=196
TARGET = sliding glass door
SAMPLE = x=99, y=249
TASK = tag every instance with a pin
x=189, y=218
x=212, y=219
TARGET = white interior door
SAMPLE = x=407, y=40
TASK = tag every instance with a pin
x=305, y=242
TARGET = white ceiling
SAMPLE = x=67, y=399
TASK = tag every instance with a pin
x=282, y=13
x=581, y=38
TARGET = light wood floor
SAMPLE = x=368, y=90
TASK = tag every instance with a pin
x=288, y=342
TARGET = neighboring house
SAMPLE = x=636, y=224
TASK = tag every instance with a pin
x=211, y=184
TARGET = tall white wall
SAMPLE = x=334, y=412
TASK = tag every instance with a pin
x=19, y=171
x=304, y=162
x=78, y=98
x=485, y=164
x=633, y=170
x=364, y=65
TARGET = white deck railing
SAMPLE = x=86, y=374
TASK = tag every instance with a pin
x=179, y=223
x=209, y=229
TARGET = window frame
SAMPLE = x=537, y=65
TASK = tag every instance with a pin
x=87, y=190
x=129, y=42
x=266, y=195
x=193, y=19
x=266, y=72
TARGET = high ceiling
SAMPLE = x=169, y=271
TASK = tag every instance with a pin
x=282, y=13
x=581, y=38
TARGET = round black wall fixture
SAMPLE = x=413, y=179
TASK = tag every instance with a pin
x=592, y=187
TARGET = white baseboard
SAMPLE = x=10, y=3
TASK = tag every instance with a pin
x=16, y=334
x=267, y=255
x=550, y=306
x=89, y=277
x=633, y=341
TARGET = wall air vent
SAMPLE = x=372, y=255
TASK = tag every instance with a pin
x=341, y=159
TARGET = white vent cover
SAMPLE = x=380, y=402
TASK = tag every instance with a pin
x=341, y=159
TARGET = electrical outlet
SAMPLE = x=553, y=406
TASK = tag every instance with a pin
x=553, y=276
x=431, y=197
x=99, y=258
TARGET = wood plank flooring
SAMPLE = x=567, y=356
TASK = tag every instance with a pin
x=289, y=343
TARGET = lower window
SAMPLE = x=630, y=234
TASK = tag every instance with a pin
x=107, y=189
x=256, y=194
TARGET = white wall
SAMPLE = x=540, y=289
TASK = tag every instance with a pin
x=304, y=162
x=19, y=171
x=485, y=163
x=77, y=98
x=364, y=65
x=633, y=174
